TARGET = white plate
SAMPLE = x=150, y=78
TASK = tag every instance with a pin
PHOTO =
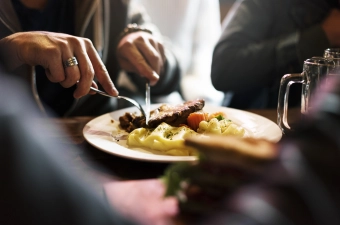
x=103, y=132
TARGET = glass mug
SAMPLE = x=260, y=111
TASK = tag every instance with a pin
x=314, y=69
x=334, y=54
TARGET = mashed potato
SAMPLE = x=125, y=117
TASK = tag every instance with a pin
x=170, y=140
x=165, y=138
x=223, y=127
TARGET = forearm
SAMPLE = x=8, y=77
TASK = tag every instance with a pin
x=244, y=47
x=244, y=65
x=262, y=42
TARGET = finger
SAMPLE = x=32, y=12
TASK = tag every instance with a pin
x=151, y=55
x=72, y=73
x=53, y=64
x=94, y=84
x=52, y=76
x=101, y=72
x=124, y=63
x=133, y=56
x=162, y=52
x=86, y=73
x=56, y=70
x=127, y=64
x=160, y=49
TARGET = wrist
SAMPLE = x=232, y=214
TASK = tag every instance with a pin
x=132, y=28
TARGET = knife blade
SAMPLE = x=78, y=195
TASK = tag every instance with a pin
x=147, y=102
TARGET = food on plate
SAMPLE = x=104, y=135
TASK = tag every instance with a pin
x=224, y=164
x=165, y=138
x=223, y=126
x=214, y=123
x=195, y=118
x=169, y=126
x=172, y=115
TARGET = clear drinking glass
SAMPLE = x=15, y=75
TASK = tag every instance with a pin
x=334, y=54
x=314, y=70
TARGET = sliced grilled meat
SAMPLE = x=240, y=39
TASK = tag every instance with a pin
x=130, y=121
x=175, y=115
x=172, y=115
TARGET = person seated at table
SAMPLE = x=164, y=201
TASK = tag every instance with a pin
x=39, y=185
x=263, y=40
x=47, y=34
x=254, y=181
x=193, y=28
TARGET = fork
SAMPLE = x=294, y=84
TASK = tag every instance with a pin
x=135, y=103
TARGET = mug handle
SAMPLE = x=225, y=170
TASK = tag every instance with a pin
x=282, y=107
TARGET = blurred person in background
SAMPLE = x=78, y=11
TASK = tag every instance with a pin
x=263, y=40
x=39, y=185
x=193, y=28
x=301, y=186
x=99, y=34
x=248, y=181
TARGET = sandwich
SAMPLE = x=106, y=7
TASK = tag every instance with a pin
x=225, y=164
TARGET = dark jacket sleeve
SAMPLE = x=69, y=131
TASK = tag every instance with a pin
x=263, y=40
x=302, y=185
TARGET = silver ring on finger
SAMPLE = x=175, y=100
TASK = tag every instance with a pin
x=71, y=62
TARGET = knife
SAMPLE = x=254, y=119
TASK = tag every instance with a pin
x=147, y=102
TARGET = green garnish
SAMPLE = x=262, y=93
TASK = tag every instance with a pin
x=219, y=117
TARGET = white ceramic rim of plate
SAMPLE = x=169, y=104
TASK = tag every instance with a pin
x=97, y=132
